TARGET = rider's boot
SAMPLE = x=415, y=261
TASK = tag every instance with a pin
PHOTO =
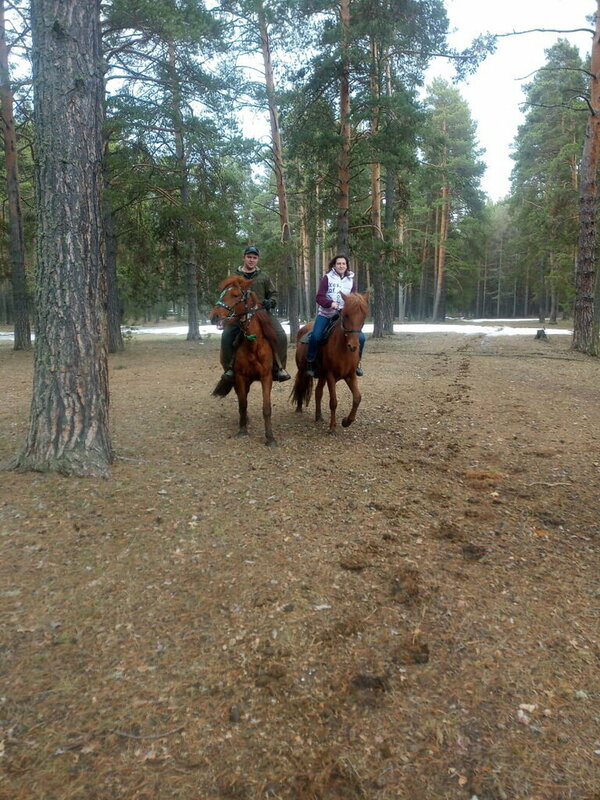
x=228, y=374
x=279, y=372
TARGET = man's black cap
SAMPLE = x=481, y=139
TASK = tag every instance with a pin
x=251, y=250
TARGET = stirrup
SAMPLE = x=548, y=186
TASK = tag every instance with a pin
x=228, y=375
x=359, y=371
x=310, y=369
x=281, y=375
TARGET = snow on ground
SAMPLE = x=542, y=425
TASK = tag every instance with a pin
x=490, y=327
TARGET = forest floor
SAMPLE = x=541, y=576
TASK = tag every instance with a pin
x=408, y=609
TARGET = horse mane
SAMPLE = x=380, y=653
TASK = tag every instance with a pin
x=232, y=280
x=356, y=299
x=268, y=330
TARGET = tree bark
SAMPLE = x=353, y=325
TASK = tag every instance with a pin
x=115, y=337
x=284, y=217
x=343, y=221
x=439, y=312
x=68, y=429
x=22, y=328
x=377, y=271
x=585, y=323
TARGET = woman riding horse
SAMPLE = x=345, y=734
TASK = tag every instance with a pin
x=339, y=360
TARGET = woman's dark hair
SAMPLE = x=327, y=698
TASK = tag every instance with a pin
x=335, y=258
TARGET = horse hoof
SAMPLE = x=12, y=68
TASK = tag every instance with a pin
x=347, y=422
x=271, y=444
x=240, y=434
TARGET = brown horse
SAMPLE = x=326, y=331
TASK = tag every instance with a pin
x=253, y=360
x=337, y=360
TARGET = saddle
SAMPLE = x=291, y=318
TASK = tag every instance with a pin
x=326, y=333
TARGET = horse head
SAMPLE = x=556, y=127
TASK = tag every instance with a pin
x=234, y=301
x=353, y=316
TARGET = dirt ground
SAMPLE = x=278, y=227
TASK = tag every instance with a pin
x=405, y=610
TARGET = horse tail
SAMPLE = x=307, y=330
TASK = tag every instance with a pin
x=301, y=390
x=222, y=388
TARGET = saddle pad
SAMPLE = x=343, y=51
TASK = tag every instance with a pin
x=326, y=333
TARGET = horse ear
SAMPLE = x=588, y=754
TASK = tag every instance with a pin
x=345, y=296
x=366, y=295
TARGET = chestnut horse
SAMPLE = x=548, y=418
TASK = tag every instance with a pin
x=253, y=360
x=337, y=360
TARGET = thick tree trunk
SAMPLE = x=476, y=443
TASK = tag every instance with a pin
x=22, y=326
x=284, y=217
x=585, y=323
x=68, y=430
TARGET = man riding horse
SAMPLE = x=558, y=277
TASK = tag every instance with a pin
x=264, y=289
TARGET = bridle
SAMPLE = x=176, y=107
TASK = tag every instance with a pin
x=245, y=315
x=346, y=331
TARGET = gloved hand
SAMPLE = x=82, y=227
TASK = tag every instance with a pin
x=269, y=303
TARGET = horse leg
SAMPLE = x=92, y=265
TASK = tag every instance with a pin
x=318, y=398
x=241, y=389
x=356, y=398
x=299, y=390
x=267, y=385
x=332, y=402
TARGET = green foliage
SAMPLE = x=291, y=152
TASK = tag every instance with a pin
x=180, y=175
x=544, y=199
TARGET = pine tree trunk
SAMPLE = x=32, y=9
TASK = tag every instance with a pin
x=186, y=248
x=499, y=283
x=113, y=304
x=306, y=311
x=69, y=412
x=378, y=304
x=439, y=312
x=22, y=329
x=585, y=323
x=422, y=304
x=343, y=221
x=284, y=217
x=390, y=234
